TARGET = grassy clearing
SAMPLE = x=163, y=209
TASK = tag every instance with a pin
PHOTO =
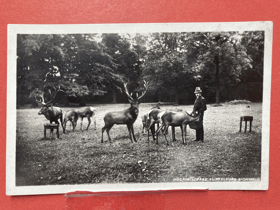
x=79, y=157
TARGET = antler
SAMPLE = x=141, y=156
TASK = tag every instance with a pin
x=146, y=88
x=42, y=99
x=54, y=94
x=126, y=91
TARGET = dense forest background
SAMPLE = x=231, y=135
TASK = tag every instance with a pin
x=91, y=68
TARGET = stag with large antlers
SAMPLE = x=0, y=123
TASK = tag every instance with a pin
x=52, y=113
x=127, y=116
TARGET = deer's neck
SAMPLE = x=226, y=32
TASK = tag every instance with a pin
x=134, y=112
x=51, y=113
x=47, y=115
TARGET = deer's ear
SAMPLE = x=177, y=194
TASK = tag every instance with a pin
x=130, y=100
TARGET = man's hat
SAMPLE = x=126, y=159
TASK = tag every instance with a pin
x=197, y=90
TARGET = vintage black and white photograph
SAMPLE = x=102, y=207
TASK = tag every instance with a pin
x=133, y=107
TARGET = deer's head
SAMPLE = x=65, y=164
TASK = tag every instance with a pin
x=43, y=110
x=45, y=105
x=135, y=101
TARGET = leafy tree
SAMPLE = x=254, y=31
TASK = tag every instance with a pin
x=76, y=61
x=168, y=63
x=37, y=58
x=252, y=79
x=124, y=54
x=173, y=63
x=221, y=59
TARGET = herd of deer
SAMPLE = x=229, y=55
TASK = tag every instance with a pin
x=163, y=118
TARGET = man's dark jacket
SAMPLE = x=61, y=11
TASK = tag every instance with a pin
x=200, y=106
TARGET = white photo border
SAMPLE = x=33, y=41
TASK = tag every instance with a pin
x=14, y=29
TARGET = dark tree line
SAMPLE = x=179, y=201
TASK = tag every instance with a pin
x=92, y=67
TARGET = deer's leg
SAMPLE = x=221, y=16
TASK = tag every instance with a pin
x=158, y=132
x=51, y=130
x=153, y=131
x=61, y=120
x=157, y=135
x=103, y=129
x=129, y=131
x=148, y=134
x=166, y=134
x=182, y=132
x=89, y=121
x=64, y=124
x=75, y=120
x=149, y=128
x=73, y=124
x=185, y=131
x=107, y=130
x=173, y=133
x=81, y=123
x=159, y=128
x=132, y=131
x=94, y=121
x=57, y=132
x=162, y=130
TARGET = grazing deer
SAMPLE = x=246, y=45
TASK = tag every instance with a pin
x=146, y=121
x=79, y=113
x=127, y=116
x=52, y=113
x=174, y=119
x=154, y=118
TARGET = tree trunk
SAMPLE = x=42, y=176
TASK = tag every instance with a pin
x=114, y=96
x=217, y=77
x=217, y=96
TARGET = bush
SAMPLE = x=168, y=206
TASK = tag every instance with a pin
x=234, y=102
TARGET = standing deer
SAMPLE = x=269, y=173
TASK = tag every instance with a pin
x=174, y=119
x=52, y=113
x=127, y=116
x=79, y=113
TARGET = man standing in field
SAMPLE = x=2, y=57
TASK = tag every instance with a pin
x=199, y=108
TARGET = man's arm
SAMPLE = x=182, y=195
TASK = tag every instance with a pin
x=194, y=108
x=203, y=106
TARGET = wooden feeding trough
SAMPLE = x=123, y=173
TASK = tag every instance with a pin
x=246, y=119
x=51, y=127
